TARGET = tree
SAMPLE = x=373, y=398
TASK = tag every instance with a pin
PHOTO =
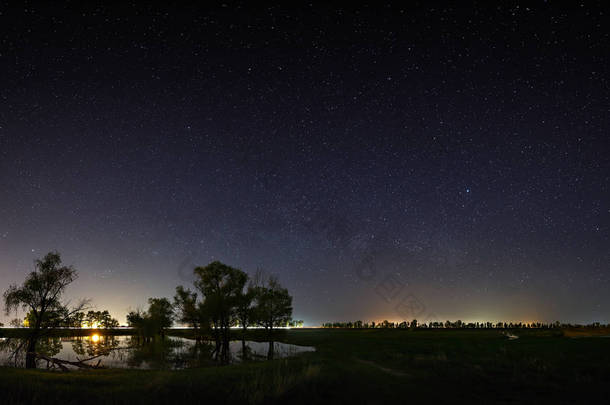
x=141, y=322
x=160, y=314
x=187, y=310
x=90, y=320
x=294, y=323
x=135, y=319
x=273, y=304
x=78, y=320
x=41, y=294
x=58, y=318
x=272, y=307
x=107, y=321
x=245, y=314
x=100, y=319
x=221, y=287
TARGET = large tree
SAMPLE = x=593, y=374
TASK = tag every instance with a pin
x=221, y=287
x=160, y=314
x=273, y=304
x=186, y=308
x=41, y=295
x=245, y=314
x=272, y=307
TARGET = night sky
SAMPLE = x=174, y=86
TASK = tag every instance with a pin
x=385, y=162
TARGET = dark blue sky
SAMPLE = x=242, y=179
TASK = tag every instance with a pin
x=427, y=162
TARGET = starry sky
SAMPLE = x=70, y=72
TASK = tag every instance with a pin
x=386, y=162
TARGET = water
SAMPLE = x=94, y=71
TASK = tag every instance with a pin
x=173, y=353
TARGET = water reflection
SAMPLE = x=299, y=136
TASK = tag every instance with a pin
x=134, y=352
x=85, y=346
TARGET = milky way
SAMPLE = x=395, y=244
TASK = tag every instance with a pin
x=385, y=162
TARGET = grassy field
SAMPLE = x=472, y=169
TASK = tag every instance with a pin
x=356, y=366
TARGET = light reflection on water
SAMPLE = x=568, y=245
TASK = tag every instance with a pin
x=130, y=352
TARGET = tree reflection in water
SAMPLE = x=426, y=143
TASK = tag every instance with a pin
x=136, y=352
x=168, y=353
x=86, y=346
x=16, y=350
x=245, y=354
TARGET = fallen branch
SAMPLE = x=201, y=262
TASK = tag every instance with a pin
x=62, y=363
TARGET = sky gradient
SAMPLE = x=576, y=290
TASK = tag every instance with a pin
x=425, y=162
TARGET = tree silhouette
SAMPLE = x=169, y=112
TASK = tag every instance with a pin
x=273, y=304
x=108, y=321
x=190, y=312
x=160, y=315
x=78, y=320
x=245, y=313
x=41, y=294
x=138, y=320
x=99, y=319
x=221, y=287
x=155, y=321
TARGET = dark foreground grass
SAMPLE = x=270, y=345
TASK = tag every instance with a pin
x=356, y=366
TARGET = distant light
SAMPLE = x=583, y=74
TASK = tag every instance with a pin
x=95, y=338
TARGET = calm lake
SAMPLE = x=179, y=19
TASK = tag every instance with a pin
x=128, y=352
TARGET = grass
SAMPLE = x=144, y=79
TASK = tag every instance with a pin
x=356, y=366
x=237, y=384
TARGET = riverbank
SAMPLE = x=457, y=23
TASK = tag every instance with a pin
x=355, y=366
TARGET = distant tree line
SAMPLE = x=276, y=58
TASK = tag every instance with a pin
x=458, y=325
x=91, y=319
